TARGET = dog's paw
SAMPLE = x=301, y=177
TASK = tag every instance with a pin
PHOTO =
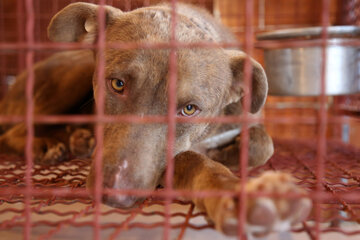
x=49, y=152
x=81, y=143
x=265, y=214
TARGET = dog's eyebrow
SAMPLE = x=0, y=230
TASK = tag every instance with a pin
x=201, y=96
x=191, y=99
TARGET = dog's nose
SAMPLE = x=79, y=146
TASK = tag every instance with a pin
x=117, y=178
x=120, y=201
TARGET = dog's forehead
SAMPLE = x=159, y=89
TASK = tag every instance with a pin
x=154, y=25
x=192, y=65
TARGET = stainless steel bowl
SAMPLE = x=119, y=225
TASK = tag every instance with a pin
x=296, y=71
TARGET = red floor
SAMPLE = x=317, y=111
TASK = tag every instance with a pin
x=51, y=215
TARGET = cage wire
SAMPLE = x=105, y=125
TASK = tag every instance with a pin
x=46, y=202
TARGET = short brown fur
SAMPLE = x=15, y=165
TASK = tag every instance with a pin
x=134, y=154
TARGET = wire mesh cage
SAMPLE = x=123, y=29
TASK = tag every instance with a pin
x=315, y=138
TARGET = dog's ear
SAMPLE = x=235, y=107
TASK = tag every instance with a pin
x=259, y=84
x=78, y=22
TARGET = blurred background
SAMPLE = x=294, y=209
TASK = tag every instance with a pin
x=268, y=15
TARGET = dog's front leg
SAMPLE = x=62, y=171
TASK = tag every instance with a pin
x=197, y=172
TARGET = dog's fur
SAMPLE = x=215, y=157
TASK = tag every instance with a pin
x=134, y=154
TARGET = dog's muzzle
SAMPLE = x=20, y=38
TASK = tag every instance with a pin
x=116, y=179
x=121, y=201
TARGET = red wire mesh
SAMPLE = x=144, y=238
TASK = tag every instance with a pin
x=340, y=206
x=328, y=169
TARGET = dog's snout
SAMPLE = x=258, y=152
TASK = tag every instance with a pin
x=118, y=178
x=120, y=200
x=118, y=175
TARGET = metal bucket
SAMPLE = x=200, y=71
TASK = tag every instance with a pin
x=296, y=71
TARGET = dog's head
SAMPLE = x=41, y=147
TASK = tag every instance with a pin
x=136, y=83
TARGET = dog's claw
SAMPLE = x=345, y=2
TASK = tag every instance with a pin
x=81, y=143
x=265, y=214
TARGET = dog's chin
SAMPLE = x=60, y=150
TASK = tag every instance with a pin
x=120, y=201
x=117, y=200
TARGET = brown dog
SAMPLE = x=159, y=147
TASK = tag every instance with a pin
x=210, y=83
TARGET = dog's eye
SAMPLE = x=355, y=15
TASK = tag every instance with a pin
x=118, y=85
x=189, y=110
